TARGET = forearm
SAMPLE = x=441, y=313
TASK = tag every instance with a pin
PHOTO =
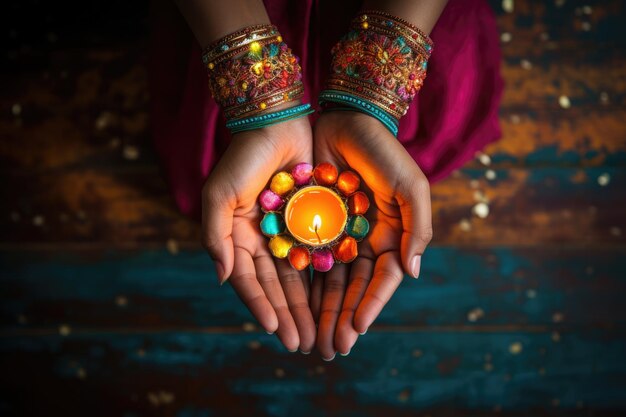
x=421, y=13
x=211, y=20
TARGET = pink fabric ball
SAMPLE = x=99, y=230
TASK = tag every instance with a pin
x=270, y=201
x=302, y=173
x=322, y=260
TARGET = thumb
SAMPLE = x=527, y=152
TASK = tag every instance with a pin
x=217, y=228
x=414, y=201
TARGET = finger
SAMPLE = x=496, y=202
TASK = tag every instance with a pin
x=317, y=289
x=217, y=227
x=387, y=277
x=247, y=287
x=417, y=230
x=298, y=302
x=360, y=276
x=335, y=283
x=306, y=282
x=268, y=278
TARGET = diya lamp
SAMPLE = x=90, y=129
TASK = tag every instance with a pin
x=314, y=216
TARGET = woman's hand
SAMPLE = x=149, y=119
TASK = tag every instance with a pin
x=349, y=298
x=275, y=293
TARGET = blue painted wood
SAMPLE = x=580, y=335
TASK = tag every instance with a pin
x=402, y=373
x=524, y=286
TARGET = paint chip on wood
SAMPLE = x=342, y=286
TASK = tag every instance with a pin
x=490, y=174
x=506, y=37
x=587, y=10
x=488, y=367
x=172, y=246
x=586, y=26
x=254, y=344
x=38, y=220
x=557, y=317
x=531, y=293
x=604, y=98
x=526, y=64
x=248, y=327
x=404, y=395
x=481, y=210
x=483, y=158
x=16, y=109
x=465, y=225
x=604, y=179
x=65, y=330
x=515, y=348
x=130, y=152
x=508, y=6
x=556, y=337
x=564, y=102
x=559, y=3
x=103, y=120
x=279, y=373
x=121, y=301
x=475, y=314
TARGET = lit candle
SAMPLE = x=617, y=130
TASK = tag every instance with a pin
x=315, y=216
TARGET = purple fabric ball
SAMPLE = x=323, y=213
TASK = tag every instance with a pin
x=302, y=173
x=322, y=260
x=270, y=201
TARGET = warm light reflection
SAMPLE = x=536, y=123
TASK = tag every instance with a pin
x=315, y=215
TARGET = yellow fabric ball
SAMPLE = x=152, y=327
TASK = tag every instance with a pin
x=280, y=246
x=282, y=183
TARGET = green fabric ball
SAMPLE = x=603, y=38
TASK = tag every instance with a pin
x=358, y=227
x=272, y=224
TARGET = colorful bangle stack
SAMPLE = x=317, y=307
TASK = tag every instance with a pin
x=378, y=67
x=252, y=70
x=264, y=120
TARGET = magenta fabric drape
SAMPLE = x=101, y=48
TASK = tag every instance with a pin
x=454, y=115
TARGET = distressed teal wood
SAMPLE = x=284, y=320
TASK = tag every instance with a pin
x=524, y=286
x=403, y=373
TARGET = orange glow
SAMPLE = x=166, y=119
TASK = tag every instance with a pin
x=315, y=215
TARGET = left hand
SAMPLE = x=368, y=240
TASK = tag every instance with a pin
x=347, y=300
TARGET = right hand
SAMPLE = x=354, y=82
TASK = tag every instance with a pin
x=274, y=292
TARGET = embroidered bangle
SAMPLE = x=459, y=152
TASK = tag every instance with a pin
x=237, y=39
x=392, y=24
x=378, y=67
x=266, y=102
x=252, y=75
x=269, y=119
x=360, y=104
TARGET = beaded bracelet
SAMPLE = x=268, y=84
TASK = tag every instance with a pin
x=252, y=70
x=269, y=119
x=378, y=67
x=356, y=103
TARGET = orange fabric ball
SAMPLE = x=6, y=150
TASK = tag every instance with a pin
x=299, y=257
x=348, y=182
x=325, y=174
x=358, y=203
x=346, y=250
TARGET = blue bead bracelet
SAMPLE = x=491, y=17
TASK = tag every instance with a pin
x=269, y=119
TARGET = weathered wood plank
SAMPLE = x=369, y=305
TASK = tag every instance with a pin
x=544, y=288
x=134, y=206
x=184, y=374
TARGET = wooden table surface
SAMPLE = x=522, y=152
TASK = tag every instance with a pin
x=109, y=306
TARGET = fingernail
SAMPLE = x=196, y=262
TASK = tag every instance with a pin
x=345, y=354
x=220, y=272
x=305, y=353
x=270, y=333
x=364, y=332
x=292, y=351
x=415, y=265
x=331, y=358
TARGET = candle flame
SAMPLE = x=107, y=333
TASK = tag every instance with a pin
x=317, y=223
